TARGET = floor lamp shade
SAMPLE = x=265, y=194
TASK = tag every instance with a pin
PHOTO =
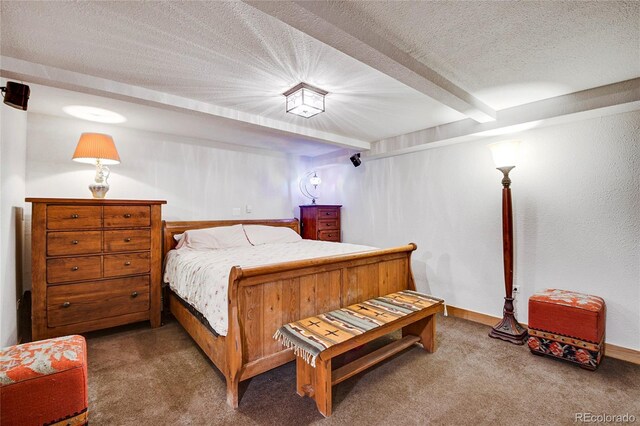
x=505, y=154
x=98, y=149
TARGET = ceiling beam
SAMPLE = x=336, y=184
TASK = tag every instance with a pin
x=616, y=98
x=340, y=26
x=55, y=77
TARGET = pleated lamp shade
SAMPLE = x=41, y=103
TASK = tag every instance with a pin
x=96, y=146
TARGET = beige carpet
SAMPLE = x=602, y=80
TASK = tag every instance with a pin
x=144, y=376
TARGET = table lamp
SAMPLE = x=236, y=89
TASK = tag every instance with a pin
x=98, y=149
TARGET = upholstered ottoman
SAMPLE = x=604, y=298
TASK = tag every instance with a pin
x=567, y=325
x=44, y=383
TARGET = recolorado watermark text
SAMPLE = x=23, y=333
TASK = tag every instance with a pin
x=587, y=417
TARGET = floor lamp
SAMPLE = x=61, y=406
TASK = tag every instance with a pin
x=505, y=156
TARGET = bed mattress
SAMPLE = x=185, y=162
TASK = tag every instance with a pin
x=201, y=277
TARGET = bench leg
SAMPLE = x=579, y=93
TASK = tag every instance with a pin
x=315, y=383
x=322, y=386
x=304, y=378
x=426, y=330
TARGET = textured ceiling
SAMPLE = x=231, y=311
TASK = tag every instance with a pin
x=232, y=55
x=224, y=53
x=509, y=53
x=199, y=128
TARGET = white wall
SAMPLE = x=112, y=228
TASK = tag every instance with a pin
x=576, y=197
x=576, y=204
x=13, y=133
x=199, y=181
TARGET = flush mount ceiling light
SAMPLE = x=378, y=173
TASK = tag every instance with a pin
x=94, y=114
x=305, y=100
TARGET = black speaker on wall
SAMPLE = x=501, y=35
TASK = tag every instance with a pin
x=355, y=159
x=16, y=95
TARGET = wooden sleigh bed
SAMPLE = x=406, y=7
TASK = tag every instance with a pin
x=262, y=298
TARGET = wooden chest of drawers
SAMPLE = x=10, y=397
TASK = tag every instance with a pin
x=95, y=264
x=320, y=222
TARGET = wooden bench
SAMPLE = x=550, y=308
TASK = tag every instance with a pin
x=317, y=340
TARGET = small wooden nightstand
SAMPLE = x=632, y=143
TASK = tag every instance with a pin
x=320, y=222
x=95, y=264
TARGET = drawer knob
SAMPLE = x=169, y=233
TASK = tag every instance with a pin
x=328, y=213
x=75, y=216
x=66, y=304
x=127, y=215
x=75, y=242
x=75, y=268
x=127, y=263
x=127, y=240
x=134, y=294
x=329, y=235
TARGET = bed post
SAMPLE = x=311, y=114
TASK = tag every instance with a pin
x=234, y=340
x=412, y=282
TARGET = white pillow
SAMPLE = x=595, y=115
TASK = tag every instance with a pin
x=178, y=237
x=214, y=238
x=260, y=234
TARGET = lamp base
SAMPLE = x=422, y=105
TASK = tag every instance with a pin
x=99, y=190
x=100, y=187
x=509, y=329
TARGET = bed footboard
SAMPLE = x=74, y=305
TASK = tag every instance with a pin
x=261, y=299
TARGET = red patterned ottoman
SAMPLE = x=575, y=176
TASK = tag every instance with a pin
x=44, y=383
x=567, y=325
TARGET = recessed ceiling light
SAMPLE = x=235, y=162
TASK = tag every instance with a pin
x=94, y=114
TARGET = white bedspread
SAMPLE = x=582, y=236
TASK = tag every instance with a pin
x=201, y=277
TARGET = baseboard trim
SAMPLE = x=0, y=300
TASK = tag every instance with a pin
x=620, y=352
x=610, y=350
x=474, y=316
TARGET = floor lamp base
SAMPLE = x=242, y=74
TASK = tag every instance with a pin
x=509, y=330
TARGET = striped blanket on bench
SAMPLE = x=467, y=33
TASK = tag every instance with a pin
x=310, y=336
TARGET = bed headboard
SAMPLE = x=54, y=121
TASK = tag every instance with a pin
x=169, y=229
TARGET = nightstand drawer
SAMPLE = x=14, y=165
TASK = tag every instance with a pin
x=116, y=265
x=326, y=213
x=329, y=236
x=126, y=216
x=74, y=269
x=74, y=242
x=75, y=303
x=328, y=224
x=74, y=217
x=127, y=240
